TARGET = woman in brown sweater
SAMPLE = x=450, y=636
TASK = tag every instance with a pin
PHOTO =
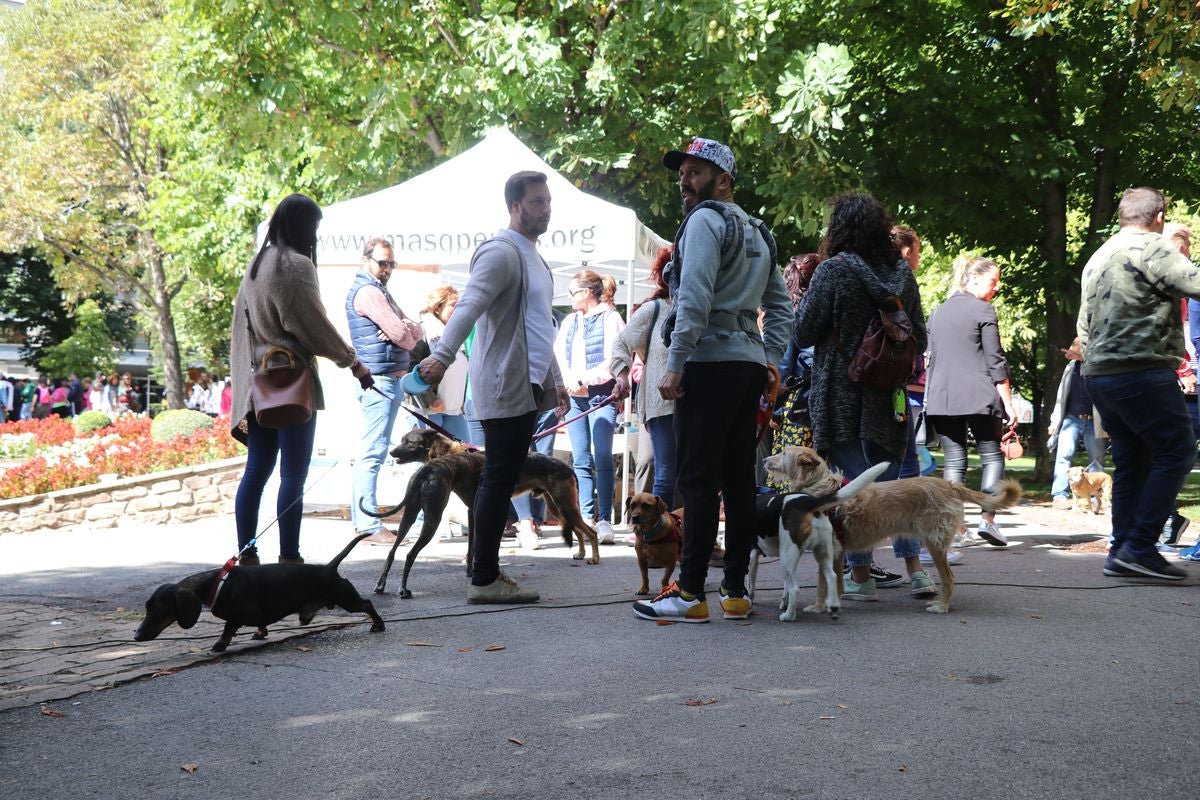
x=279, y=305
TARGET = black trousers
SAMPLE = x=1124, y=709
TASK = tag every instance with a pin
x=506, y=443
x=714, y=431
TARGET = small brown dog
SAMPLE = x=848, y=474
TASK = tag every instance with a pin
x=1091, y=490
x=658, y=537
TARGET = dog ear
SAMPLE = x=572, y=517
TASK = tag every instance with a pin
x=187, y=608
x=628, y=507
x=660, y=506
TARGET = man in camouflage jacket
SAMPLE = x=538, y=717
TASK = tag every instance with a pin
x=1130, y=325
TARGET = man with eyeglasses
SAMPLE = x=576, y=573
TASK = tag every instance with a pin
x=382, y=336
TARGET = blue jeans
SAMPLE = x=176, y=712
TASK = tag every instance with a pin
x=1068, y=439
x=378, y=418
x=591, y=456
x=527, y=506
x=662, y=442
x=455, y=425
x=854, y=458
x=1152, y=450
x=293, y=448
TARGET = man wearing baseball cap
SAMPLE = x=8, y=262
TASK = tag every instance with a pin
x=723, y=273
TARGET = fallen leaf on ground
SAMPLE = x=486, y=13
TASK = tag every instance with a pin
x=492, y=648
x=190, y=769
x=745, y=623
x=465, y=649
x=707, y=702
x=162, y=673
x=904, y=767
x=516, y=741
x=303, y=648
x=824, y=716
x=1181, y=702
x=842, y=706
x=421, y=644
x=1036, y=616
x=47, y=711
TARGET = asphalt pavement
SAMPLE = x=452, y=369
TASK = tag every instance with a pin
x=1047, y=680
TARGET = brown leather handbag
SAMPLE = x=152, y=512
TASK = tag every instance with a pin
x=282, y=390
x=1010, y=445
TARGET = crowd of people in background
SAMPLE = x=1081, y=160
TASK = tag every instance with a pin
x=37, y=398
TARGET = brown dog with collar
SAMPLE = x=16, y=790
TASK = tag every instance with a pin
x=658, y=537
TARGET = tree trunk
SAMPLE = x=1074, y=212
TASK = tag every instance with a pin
x=164, y=322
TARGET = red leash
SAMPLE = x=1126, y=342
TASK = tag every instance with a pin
x=606, y=402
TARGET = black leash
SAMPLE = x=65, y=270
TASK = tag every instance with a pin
x=432, y=425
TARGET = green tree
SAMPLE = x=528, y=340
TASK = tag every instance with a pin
x=78, y=158
x=88, y=350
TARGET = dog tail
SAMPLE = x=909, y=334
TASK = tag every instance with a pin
x=380, y=513
x=333, y=565
x=867, y=477
x=1005, y=495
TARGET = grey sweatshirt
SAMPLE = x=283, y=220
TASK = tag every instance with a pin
x=494, y=302
x=738, y=283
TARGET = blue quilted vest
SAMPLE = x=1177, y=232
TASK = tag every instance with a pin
x=378, y=355
x=593, y=339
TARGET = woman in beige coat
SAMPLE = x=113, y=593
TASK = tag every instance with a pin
x=279, y=305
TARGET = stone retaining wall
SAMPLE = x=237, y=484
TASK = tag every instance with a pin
x=178, y=495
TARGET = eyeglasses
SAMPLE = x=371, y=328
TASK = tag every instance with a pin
x=577, y=291
x=384, y=264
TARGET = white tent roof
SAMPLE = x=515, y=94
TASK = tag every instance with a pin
x=438, y=218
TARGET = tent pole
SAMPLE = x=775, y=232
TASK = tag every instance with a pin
x=628, y=405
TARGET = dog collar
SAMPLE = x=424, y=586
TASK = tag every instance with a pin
x=220, y=582
x=652, y=534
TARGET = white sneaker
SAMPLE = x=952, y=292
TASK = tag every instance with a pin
x=952, y=557
x=991, y=532
x=605, y=530
x=526, y=536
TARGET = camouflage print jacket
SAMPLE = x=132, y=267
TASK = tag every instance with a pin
x=1129, y=317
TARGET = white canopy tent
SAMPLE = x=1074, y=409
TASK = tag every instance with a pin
x=435, y=221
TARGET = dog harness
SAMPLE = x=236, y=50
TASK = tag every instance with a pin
x=220, y=582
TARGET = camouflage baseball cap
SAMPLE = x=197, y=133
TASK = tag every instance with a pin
x=709, y=150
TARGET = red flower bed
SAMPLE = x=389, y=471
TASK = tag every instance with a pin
x=46, y=432
x=125, y=449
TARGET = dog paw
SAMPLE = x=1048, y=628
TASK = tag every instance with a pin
x=261, y=633
x=788, y=616
x=936, y=608
x=577, y=556
x=379, y=588
x=642, y=592
x=377, y=628
x=594, y=560
x=405, y=594
x=834, y=612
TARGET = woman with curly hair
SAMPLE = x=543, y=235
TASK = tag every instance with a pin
x=856, y=426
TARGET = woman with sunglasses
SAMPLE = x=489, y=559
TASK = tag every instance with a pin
x=584, y=347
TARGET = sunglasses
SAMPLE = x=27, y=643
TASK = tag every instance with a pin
x=384, y=264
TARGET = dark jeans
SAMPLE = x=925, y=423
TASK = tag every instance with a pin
x=293, y=448
x=853, y=459
x=714, y=439
x=506, y=443
x=1153, y=450
x=952, y=433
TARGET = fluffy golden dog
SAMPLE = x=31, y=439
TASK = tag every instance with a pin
x=658, y=537
x=928, y=509
x=1091, y=490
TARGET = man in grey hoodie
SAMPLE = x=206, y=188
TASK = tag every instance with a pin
x=508, y=300
x=716, y=373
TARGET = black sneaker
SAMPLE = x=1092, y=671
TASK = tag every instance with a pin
x=1173, y=531
x=883, y=578
x=1114, y=570
x=1148, y=565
